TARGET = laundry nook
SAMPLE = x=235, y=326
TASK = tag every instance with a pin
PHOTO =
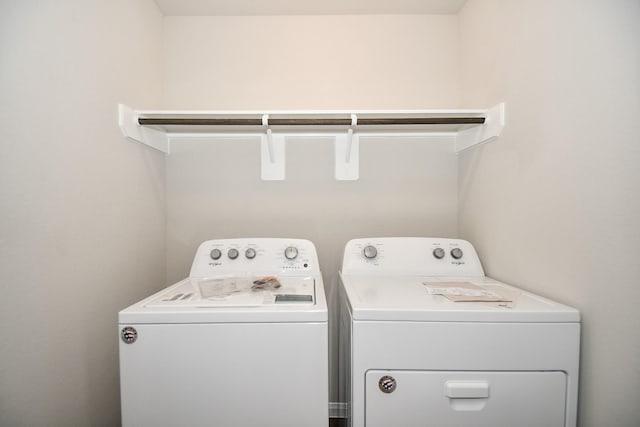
x=320, y=213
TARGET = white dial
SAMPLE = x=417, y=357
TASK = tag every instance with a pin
x=370, y=252
x=250, y=253
x=215, y=254
x=456, y=253
x=232, y=253
x=291, y=253
x=438, y=253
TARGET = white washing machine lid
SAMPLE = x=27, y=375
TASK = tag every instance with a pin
x=233, y=299
x=408, y=298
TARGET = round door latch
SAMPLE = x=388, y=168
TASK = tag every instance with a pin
x=387, y=384
x=129, y=335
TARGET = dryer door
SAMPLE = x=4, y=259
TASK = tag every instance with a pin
x=465, y=399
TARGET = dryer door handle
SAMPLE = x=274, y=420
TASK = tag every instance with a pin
x=467, y=389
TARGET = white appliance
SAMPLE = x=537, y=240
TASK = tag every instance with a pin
x=411, y=356
x=230, y=346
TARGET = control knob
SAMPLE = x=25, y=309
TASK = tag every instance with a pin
x=370, y=252
x=215, y=254
x=456, y=253
x=250, y=253
x=438, y=253
x=291, y=253
x=233, y=253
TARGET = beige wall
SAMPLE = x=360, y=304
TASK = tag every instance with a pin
x=82, y=210
x=553, y=206
x=214, y=190
x=311, y=62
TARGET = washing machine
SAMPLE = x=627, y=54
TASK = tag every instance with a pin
x=426, y=339
x=243, y=341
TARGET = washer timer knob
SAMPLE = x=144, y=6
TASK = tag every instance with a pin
x=215, y=254
x=233, y=253
x=291, y=253
x=438, y=253
x=456, y=253
x=250, y=253
x=370, y=252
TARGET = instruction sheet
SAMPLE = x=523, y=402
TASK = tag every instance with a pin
x=464, y=292
x=222, y=287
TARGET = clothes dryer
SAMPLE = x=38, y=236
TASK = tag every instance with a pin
x=241, y=342
x=427, y=339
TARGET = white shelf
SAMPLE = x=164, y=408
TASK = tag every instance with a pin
x=157, y=128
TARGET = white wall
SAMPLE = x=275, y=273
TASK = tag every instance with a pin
x=553, y=206
x=81, y=209
x=311, y=62
x=214, y=189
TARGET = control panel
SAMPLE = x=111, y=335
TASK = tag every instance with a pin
x=424, y=256
x=255, y=256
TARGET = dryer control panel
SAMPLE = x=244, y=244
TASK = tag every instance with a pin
x=255, y=256
x=421, y=256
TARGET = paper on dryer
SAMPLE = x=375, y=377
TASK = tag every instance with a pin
x=464, y=292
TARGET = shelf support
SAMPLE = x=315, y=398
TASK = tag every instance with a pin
x=134, y=132
x=347, y=153
x=272, y=153
x=492, y=128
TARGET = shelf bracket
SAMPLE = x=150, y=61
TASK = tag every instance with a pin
x=131, y=129
x=272, y=154
x=492, y=128
x=347, y=153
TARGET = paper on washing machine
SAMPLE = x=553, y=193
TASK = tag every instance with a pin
x=222, y=287
x=268, y=282
x=464, y=292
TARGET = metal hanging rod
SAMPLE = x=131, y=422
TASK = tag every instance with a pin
x=423, y=121
x=311, y=121
x=199, y=122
